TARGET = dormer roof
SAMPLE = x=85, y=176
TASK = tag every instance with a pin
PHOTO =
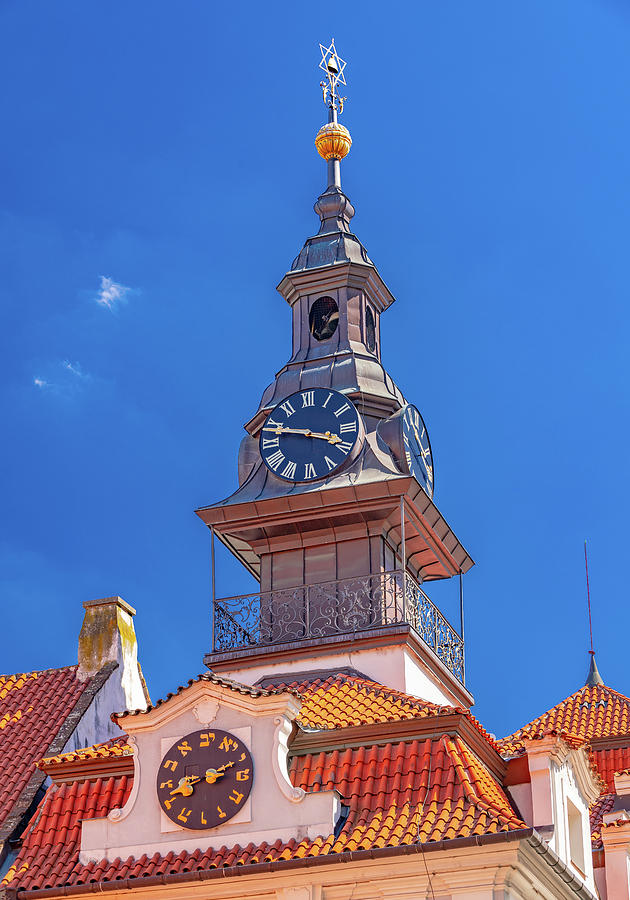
x=592, y=714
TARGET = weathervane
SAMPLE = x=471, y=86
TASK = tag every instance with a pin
x=332, y=65
x=333, y=140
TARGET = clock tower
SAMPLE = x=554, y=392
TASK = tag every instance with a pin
x=334, y=513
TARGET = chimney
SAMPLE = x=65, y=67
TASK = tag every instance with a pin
x=108, y=635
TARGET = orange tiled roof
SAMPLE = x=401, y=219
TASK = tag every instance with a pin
x=397, y=794
x=339, y=701
x=118, y=746
x=33, y=708
x=588, y=714
x=343, y=700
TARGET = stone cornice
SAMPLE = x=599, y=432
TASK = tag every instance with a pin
x=88, y=769
x=347, y=274
x=616, y=835
x=281, y=704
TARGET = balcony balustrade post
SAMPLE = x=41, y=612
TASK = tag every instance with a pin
x=461, y=624
x=404, y=604
x=307, y=611
x=403, y=553
x=213, y=587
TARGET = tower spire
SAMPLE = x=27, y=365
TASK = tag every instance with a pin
x=333, y=140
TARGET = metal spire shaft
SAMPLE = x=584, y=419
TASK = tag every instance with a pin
x=333, y=140
x=588, y=597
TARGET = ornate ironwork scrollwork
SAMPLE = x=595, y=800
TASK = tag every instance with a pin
x=336, y=607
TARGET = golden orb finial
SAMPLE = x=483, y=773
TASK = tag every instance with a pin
x=333, y=141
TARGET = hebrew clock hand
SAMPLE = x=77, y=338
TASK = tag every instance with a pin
x=185, y=785
x=213, y=775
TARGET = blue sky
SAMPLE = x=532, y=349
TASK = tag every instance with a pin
x=158, y=176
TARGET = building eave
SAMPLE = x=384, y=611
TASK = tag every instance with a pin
x=525, y=838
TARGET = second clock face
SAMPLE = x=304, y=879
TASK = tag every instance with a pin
x=204, y=779
x=417, y=449
x=309, y=435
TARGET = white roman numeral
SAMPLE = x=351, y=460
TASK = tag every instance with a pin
x=309, y=471
x=345, y=447
x=308, y=399
x=275, y=460
x=288, y=409
x=331, y=465
x=325, y=403
x=408, y=458
x=347, y=426
x=270, y=442
x=289, y=470
x=274, y=423
x=342, y=409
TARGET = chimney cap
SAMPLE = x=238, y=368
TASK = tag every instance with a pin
x=110, y=601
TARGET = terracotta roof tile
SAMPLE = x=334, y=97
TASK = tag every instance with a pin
x=403, y=793
x=343, y=700
x=118, y=746
x=33, y=707
x=612, y=761
x=590, y=713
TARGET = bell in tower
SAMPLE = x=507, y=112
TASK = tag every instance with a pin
x=334, y=513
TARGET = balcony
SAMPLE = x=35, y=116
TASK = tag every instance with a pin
x=318, y=611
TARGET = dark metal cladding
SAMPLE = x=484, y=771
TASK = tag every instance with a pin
x=334, y=243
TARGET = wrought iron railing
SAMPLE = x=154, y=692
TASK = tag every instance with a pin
x=315, y=611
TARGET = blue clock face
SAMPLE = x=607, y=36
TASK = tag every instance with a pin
x=309, y=435
x=417, y=460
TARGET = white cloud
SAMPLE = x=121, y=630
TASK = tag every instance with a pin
x=112, y=293
x=64, y=379
x=75, y=368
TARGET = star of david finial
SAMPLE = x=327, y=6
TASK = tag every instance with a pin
x=332, y=65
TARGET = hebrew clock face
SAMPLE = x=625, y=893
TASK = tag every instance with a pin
x=417, y=458
x=204, y=779
x=309, y=435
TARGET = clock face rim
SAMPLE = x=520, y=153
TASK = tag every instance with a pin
x=244, y=787
x=351, y=453
x=409, y=469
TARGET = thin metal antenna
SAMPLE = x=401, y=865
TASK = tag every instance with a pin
x=588, y=597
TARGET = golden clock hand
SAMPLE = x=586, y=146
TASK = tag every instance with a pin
x=213, y=775
x=324, y=436
x=185, y=785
